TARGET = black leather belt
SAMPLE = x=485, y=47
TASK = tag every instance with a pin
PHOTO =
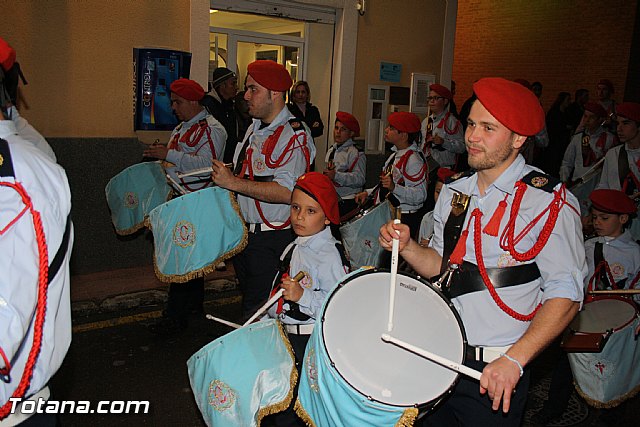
x=467, y=278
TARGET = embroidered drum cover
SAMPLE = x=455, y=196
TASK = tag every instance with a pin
x=194, y=232
x=133, y=193
x=360, y=237
x=582, y=191
x=244, y=375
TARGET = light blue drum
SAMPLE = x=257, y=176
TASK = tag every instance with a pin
x=135, y=192
x=244, y=375
x=360, y=236
x=194, y=232
x=350, y=377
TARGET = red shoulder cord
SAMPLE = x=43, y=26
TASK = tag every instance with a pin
x=443, y=124
x=203, y=129
x=286, y=156
x=41, y=304
x=402, y=167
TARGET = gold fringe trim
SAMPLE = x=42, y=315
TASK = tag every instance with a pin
x=209, y=268
x=293, y=380
x=606, y=405
x=408, y=417
x=303, y=414
x=131, y=230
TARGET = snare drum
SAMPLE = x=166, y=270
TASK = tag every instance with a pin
x=606, y=371
x=360, y=236
x=350, y=377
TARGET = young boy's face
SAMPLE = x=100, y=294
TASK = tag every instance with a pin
x=307, y=216
x=608, y=224
x=437, y=189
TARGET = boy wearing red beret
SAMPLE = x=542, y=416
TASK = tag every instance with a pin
x=317, y=254
x=346, y=165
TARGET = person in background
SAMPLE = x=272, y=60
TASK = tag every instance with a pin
x=317, y=254
x=346, y=164
x=276, y=150
x=426, y=226
x=540, y=281
x=575, y=110
x=559, y=130
x=302, y=108
x=604, y=91
x=194, y=143
x=35, y=243
x=220, y=104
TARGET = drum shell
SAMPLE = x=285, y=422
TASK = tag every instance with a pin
x=360, y=236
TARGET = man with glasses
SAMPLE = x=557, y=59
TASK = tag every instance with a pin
x=442, y=133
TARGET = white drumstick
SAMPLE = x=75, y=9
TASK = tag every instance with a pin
x=196, y=172
x=461, y=369
x=265, y=307
x=395, y=248
x=176, y=185
x=224, y=322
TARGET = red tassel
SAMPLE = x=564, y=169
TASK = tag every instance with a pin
x=460, y=250
x=493, y=226
x=280, y=300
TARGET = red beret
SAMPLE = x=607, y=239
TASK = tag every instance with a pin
x=612, y=201
x=7, y=55
x=271, y=75
x=187, y=89
x=441, y=90
x=404, y=121
x=349, y=121
x=513, y=105
x=595, y=108
x=607, y=83
x=444, y=173
x=524, y=83
x=320, y=188
x=629, y=110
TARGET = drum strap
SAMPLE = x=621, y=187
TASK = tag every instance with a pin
x=467, y=278
x=598, y=258
x=452, y=231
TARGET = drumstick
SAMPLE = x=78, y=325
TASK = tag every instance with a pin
x=395, y=248
x=272, y=300
x=176, y=185
x=461, y=369
x=201, y=171
x=616, y=292
x=224, y=322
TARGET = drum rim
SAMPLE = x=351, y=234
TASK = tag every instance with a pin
x=617, y=298
x=432, y=403
x=364, y=212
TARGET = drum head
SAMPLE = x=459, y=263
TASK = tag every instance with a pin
x=356, y=315
x=603, y=314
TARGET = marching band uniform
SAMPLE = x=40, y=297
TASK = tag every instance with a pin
x=30, y=134
x=349, y=163
x=446, y=125
x=534, y=269
x=586, y=148
x=280, y=151
x=25, y=170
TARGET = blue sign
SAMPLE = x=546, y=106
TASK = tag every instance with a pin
x=390, y=72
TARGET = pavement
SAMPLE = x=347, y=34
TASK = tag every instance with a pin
x=113, y=357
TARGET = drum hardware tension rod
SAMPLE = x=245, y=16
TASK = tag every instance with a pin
x=461, y=369
x=224, y=322
x=272, y=300
x=201, y=171
x=395, y=249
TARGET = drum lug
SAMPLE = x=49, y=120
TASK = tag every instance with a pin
x=446, y=277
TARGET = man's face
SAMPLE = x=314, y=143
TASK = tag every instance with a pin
x=436, y=102
x=341, y=133
x=300, y=95
x=228, y=88
x=602, y=92
x=627, y=129
x=591, y=121
x=183, y=109
x=489, y=143
x=259, y=99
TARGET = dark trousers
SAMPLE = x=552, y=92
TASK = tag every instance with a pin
x=184, y=297
x=288, y=417
x=561, y=386
x=467, y=407
x=257, y=265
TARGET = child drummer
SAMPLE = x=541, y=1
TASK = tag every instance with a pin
x=317, y=254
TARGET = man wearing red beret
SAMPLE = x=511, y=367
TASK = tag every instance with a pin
x=276, y=150
x=587, y=146
x=508, y=242
x=627, y=154
x=346, y=164
x=404, y=174
x=442, y=137
x=194, y=143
